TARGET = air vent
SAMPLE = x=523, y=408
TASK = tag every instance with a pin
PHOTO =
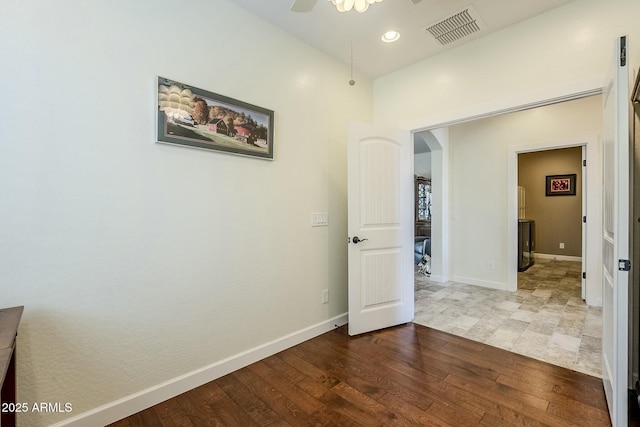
x=456, y=26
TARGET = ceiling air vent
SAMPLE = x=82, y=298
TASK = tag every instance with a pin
x=457, y=26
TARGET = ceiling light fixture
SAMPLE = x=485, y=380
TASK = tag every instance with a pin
x=358, y=5
x=390, y=36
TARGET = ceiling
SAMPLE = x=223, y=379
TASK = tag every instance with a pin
x=333, y=32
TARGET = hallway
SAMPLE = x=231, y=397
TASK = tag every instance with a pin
x=545, y=319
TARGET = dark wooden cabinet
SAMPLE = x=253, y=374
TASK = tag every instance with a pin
x=422, y=199
x=526, y=243
x=9, y=320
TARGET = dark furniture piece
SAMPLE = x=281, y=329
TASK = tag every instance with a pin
x=9, y=320
x=526, y=243
x=422, y=199
x=422, y=247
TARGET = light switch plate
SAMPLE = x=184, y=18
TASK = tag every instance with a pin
x=319, y=219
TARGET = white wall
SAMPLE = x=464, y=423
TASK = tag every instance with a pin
x=566, y=50
x=422, y=164
x=139, y=262
x=484, y=203
x=553, y=55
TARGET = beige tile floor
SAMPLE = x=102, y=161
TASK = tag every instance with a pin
x=545, y=318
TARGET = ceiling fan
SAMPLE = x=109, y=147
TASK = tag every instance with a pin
x=307, y=5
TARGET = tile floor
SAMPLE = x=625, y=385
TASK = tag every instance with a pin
x=545, y=318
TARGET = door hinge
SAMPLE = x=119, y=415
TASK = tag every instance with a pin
x=584, y=219
x=623, y=51
x=624, y=265
x=584, y=163
x=584, y=274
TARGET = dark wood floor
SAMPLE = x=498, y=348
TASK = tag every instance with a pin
x=409, y=375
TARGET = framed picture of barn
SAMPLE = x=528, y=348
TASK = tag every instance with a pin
x=197, y=118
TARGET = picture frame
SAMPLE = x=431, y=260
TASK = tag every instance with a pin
x=194, y=117
x=561, y=185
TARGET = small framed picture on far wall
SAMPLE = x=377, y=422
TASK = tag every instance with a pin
x=561, y=185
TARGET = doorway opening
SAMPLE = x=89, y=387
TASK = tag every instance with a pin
x=430, y=159
x=551, y=218
x=422, y=206
x=482, y=301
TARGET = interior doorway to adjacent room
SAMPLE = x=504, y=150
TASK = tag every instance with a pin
x=551, y=213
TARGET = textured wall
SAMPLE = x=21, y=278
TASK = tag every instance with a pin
x=138, y=262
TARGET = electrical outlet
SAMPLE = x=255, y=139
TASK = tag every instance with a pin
x=561, y=245
x=325, y=296
x=491, y=265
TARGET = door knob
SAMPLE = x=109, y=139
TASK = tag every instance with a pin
x=357, y=240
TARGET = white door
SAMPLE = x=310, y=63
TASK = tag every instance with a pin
x=616, y=237
x=380, y=202
x=583, y=270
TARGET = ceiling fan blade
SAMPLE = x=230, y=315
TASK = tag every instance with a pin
x=303, y=5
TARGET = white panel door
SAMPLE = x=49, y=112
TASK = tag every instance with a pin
x=380, y=202
x=615, y=306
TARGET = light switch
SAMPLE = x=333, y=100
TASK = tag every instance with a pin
x=319, y=219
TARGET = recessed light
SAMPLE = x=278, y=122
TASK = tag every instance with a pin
x=390, y=36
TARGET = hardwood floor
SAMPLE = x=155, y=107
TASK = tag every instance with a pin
x=409, y=375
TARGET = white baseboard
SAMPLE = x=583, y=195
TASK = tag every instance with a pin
x=478, y=282
x=438, y=279
x=136, y=402
x=558, y=257
x=596, y=302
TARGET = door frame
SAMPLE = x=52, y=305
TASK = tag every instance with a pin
x=616, y=239
x=436, y=140
x=591, y=194
x=564, y=92
x=441, y=172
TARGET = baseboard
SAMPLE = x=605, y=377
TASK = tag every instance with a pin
x=136, y=402
x=438, y=279
x=558, y=257
x=597, y=302
x=483, y=283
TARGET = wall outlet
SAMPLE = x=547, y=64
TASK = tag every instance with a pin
x=325, y=296
x=491, y=265
x=561, y=245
